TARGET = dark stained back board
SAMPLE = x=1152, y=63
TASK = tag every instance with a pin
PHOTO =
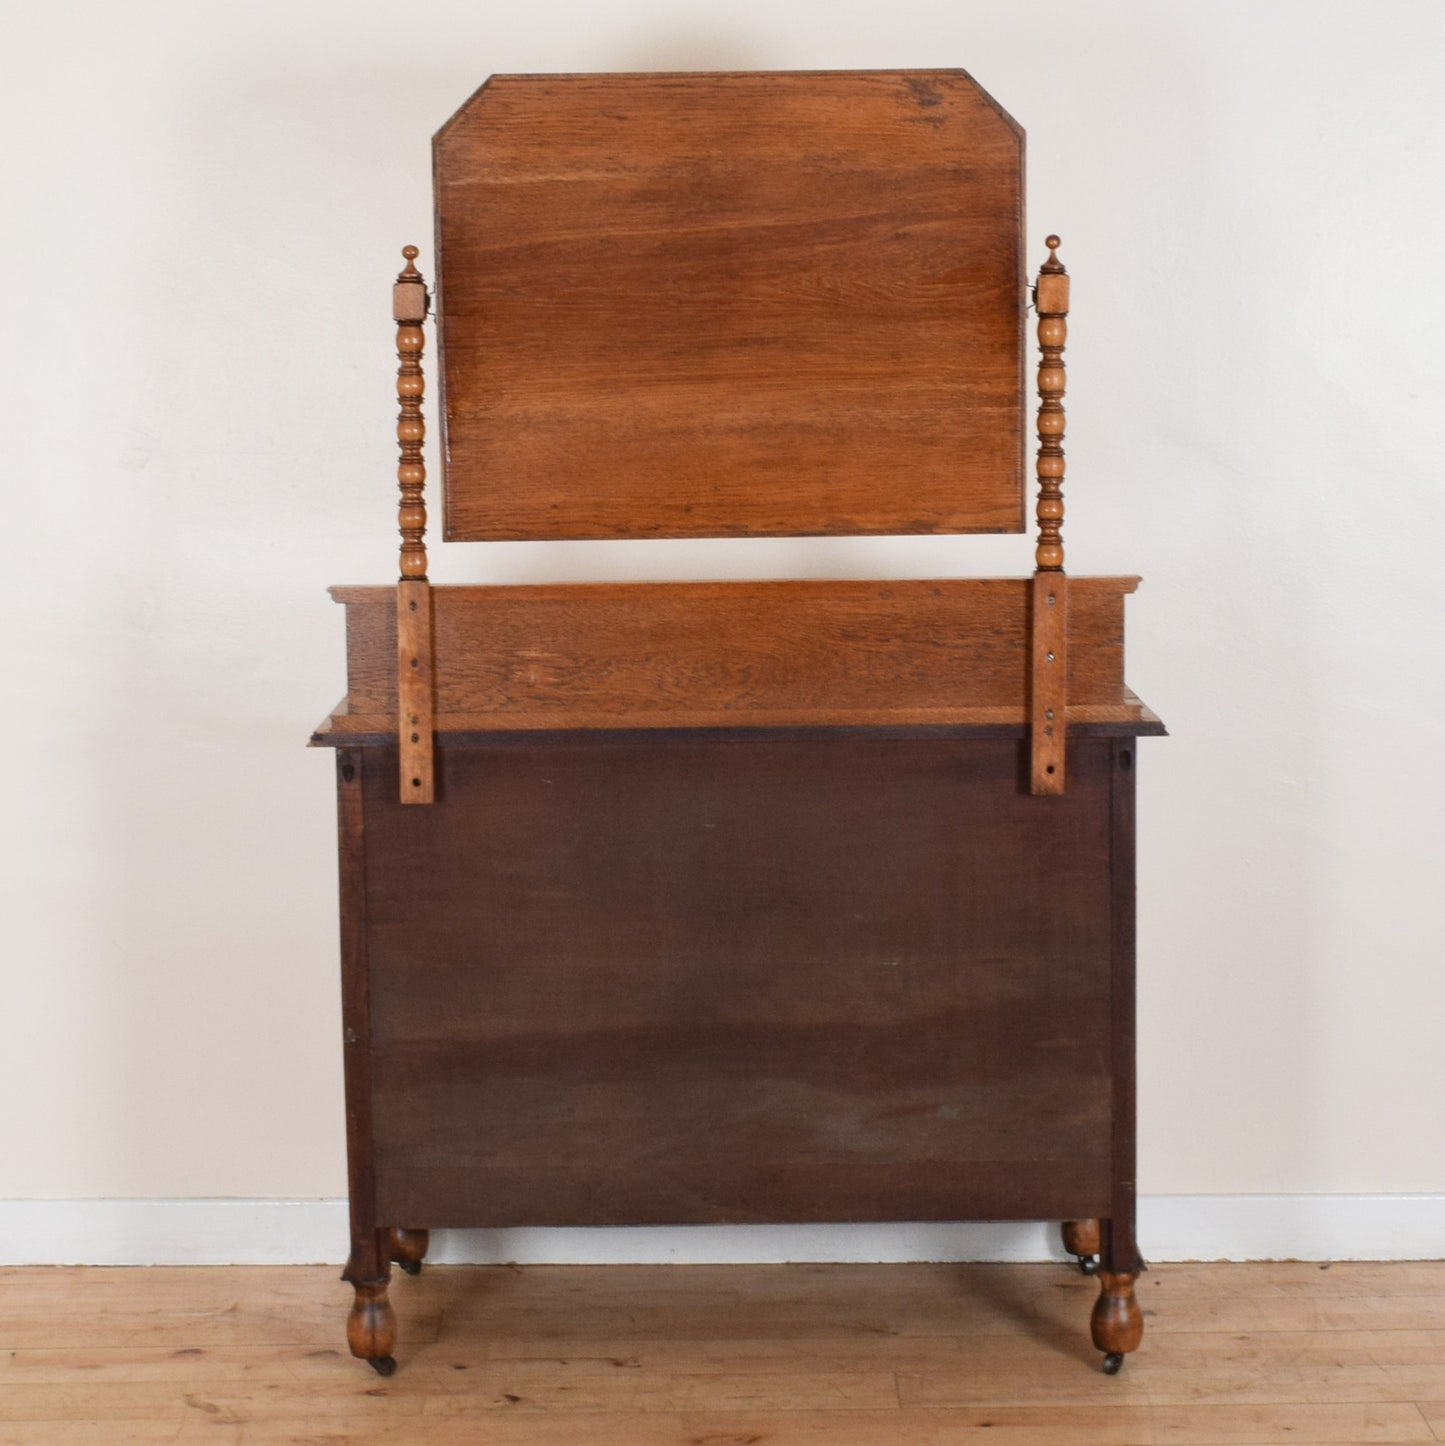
x=689, y=980
x=753, y=304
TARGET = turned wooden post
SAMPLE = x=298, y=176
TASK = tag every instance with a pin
x=1050, y=603
x=415, y=708
x=409, y=309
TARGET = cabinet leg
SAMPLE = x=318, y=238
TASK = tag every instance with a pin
x=408, y=1248
x=1117, y=1324
x=1081, y=1240
x=371, y=1326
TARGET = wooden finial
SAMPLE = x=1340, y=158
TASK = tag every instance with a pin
x=1051, y=300
x=409, y=309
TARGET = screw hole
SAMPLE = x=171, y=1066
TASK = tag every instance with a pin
x=1049, y=656
x=1049, y=769
x=416, y=662
x=416, y=783
x=416, y=737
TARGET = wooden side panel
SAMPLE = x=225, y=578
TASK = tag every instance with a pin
x=723, y=305
x=686, y=980
x=687, y=655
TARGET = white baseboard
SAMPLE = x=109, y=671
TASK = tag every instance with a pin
x=294, y=1232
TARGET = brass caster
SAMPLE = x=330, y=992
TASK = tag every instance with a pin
x=1088, y=1264
x=1113, y=1363
x=386, y=1365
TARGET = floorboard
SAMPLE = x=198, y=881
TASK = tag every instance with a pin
x=802, y=1355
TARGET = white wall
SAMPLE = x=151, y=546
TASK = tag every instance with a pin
x=202, y=209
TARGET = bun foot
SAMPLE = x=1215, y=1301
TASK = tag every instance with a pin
x=408, y=1248
x=1113, y=1364
x=1081, y=1240
x=386, y=1365
x=371, y=1326
x=1117, y=1324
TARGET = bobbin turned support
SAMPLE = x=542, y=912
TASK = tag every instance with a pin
x=1049, y=622
x=371, y=1324
x=414, y=672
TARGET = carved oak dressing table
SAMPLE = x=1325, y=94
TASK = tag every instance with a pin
x=706, y=902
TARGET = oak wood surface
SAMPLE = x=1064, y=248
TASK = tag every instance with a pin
x=416, y=691
x=719, y=654
x=1238, y=1355
x=675, y=980
x=1130, y=719
x=1048, y=686
x=730, y=304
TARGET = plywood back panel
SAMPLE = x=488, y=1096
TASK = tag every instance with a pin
x=731, y=305
x=662, y=981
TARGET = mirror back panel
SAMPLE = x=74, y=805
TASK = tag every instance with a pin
x=709, y=305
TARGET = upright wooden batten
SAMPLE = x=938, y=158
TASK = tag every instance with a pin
x=415, y=687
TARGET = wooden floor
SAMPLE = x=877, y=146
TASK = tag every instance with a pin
x=724, y=1356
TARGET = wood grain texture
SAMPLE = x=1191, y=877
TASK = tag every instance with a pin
x=416, y=691
x=1048, y=681
x=681, y=981
x=678, y=1355
x=754, y=654
x=731, y=304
